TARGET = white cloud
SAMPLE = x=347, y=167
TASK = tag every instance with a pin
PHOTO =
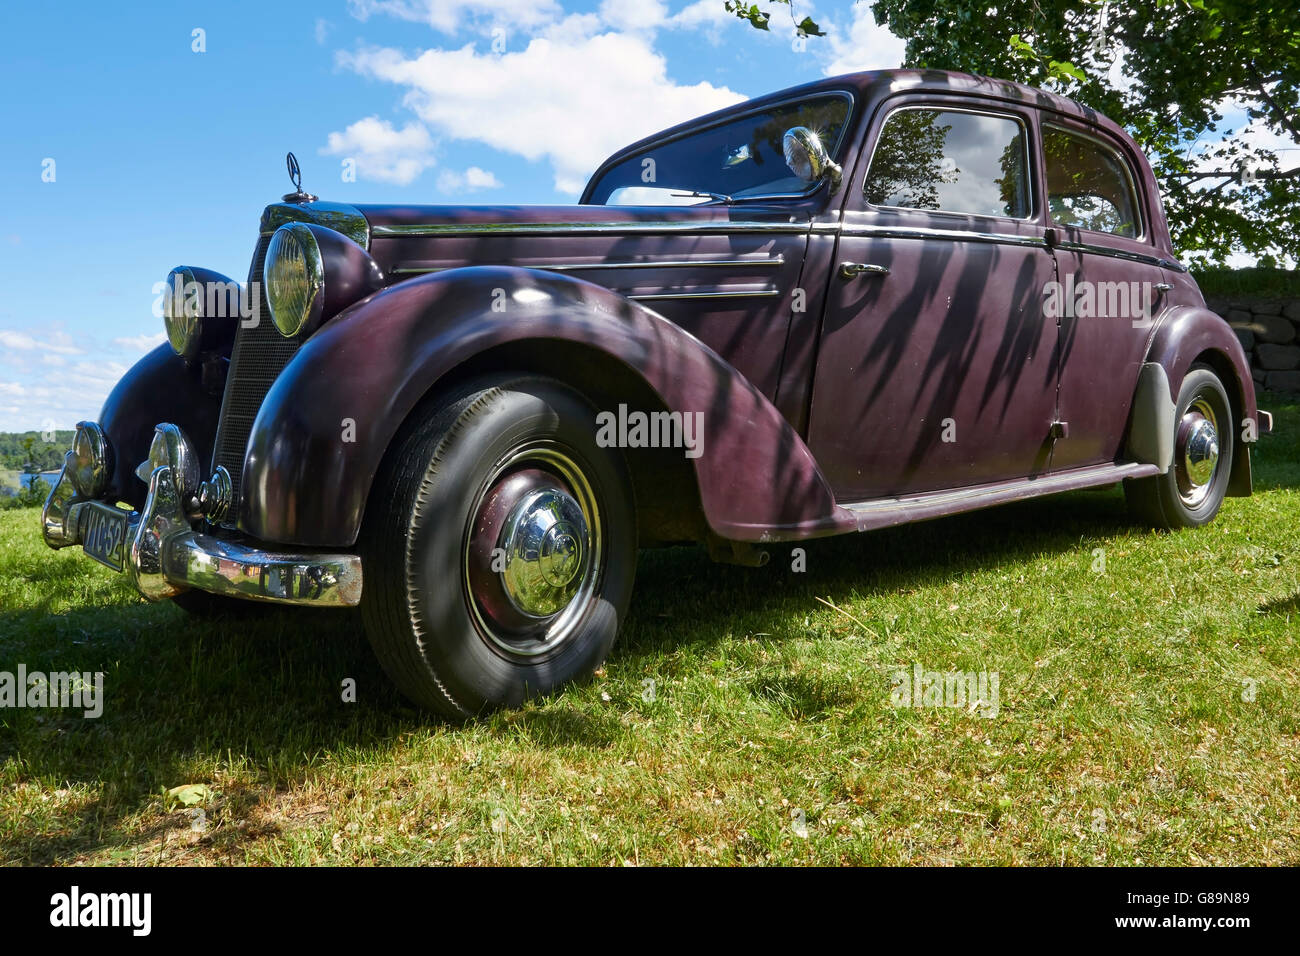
x=471, y=180
x=382, y=152
x=141, y=344
x=572, y=96
x=635, y=15
x=864, y=46
x=59, y=343
x=703, y=13
x=49, y=378
x=78, y=394
x=448, y=15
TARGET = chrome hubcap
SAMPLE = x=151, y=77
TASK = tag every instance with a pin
x=533, y=552
x=1198, y=451
x=543, y=545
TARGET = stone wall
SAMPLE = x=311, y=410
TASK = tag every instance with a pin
x=1269, y=330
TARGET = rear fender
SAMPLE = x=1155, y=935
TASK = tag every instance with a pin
x=1188, y=335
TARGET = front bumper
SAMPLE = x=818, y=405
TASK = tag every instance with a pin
x=159, y=547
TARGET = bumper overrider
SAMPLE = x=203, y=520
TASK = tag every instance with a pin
x=160, y=547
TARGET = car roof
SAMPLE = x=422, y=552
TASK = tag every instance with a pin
x=873, y=85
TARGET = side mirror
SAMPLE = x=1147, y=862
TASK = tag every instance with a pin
x=807, y=157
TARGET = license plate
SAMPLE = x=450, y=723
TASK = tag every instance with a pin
x=104, y=537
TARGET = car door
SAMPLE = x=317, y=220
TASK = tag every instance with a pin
x=936, y=367
x=1109, y=286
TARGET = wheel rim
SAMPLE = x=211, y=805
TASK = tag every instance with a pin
x=1197, y=451
x=533, y=551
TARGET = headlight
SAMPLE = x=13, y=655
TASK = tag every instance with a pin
x=294, y=276
x=200, y=310
x=87, y=464
x=183, y=312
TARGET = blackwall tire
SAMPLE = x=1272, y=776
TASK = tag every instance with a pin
x=499, y=548
x=1190, y=493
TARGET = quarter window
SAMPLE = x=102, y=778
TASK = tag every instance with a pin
x=1089, y=185
x=951, y=161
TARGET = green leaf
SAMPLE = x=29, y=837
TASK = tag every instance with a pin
x=808, y=28
x=1063, y=68
x=1022, y=48
x=190, y=794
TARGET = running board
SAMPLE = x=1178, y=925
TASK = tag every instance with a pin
x=886, y=512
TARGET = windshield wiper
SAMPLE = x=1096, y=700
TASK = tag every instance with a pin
x=716, y=197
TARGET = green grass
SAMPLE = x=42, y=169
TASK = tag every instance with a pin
x=1122, y=736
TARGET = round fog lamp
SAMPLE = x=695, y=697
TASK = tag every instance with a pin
x=88, y=461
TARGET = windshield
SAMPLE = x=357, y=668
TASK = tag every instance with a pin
x=739, y=159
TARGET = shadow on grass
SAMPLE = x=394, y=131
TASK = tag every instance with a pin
x=682, y=585
x=1285, y=607
x=265, y=692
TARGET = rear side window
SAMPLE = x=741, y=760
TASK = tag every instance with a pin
x=1089, y=186
x=951, y=161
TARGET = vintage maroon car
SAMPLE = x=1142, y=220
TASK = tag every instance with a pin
x=870, y=300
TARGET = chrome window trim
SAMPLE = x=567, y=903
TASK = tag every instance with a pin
x=1088, y=248
x=959, y=235
x=644, y=227
x=741, y=294
x=942, y=108
x=731, y=118
x=1131, y=181
x=768, y=262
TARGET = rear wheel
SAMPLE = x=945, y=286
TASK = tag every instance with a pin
x=1190, y=492
x=499, y=548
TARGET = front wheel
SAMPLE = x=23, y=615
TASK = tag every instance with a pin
x=499, y=548
x=1190, y=492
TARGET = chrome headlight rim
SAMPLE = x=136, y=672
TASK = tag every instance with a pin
x=88, y=462
x=294, y=279
x=183, y=312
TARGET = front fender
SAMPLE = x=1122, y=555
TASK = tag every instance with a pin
x=326, y=424
x=158, y=388
x=1187, y=333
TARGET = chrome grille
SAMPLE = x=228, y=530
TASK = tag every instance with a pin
x=260, y=353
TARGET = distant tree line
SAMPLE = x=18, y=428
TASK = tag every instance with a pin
x=28, y=452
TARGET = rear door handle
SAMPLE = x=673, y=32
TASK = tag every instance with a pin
x=851, y=270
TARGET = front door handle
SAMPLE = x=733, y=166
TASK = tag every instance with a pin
x=851, y=270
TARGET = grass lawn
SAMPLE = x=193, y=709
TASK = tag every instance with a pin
x=1148, y=710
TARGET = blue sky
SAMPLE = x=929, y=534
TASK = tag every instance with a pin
x=128, y=150
x=163, y=155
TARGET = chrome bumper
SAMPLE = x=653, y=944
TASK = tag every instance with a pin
x=160, y=549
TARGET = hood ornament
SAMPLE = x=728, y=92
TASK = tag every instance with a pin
x=295, y=177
